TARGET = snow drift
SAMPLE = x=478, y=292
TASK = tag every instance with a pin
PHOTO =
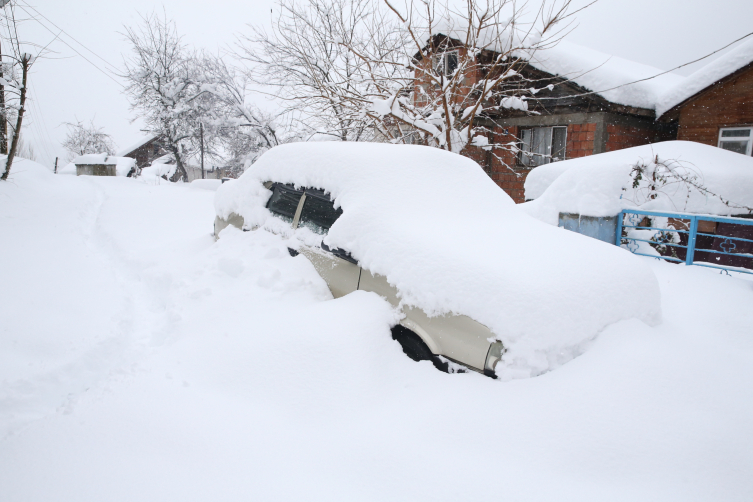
x=697, y=179
x=451, y=241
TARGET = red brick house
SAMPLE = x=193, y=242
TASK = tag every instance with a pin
x=593, y=105
x=714, y=105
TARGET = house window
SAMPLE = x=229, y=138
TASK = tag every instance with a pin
x=736, y=139
x=446, y=63
x=542, y=145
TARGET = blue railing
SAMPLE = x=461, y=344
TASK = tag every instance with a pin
x=670, y=243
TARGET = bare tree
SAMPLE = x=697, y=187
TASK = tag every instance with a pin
x=314, y=56
x=240, y=131
x=164, y=87
x=15, y=69
x=415, y=72
x=466, y=65
x=82, y=139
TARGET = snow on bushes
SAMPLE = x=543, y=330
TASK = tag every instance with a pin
x=675, y=176
x=451, y=241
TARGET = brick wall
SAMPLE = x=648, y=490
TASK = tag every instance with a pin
x=504, y=170
x=619, y=136
x=729, y=104
x=580, y=140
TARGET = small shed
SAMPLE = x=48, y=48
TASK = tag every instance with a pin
x=101, y=164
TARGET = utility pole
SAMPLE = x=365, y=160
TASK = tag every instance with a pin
x=201, y=128
x=3, y=119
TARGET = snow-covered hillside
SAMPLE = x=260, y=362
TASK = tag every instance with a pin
x=141, y=360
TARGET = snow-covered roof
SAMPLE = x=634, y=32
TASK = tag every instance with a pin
x=603, y=184
x=96, y=159
x=143, y=141
x=450, y=240
x=122, y=164
x=737, y=58
x=618, y=80
x=613, y=78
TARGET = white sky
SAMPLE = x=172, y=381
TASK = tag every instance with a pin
x=661, y=33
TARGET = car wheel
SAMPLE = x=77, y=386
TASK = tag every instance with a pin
x=416, y=349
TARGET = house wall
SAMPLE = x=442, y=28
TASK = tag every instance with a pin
x=726, y=105
x=95, y=170
x=587, y=134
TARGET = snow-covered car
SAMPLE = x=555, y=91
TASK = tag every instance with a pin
x=477, y=281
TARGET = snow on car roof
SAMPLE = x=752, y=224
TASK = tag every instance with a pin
x=602, y=185
x=451, y=241
x=737, y=58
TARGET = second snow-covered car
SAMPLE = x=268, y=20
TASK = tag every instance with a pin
x=478, y=281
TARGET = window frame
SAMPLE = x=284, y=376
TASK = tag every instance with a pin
x=548, y=157
x=731, y=139
x=440, y=61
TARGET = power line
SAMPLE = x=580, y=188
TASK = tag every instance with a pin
x=72, y=48
x=651, y=77
x=67, y=34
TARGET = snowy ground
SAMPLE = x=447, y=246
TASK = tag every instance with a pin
x=140, y=360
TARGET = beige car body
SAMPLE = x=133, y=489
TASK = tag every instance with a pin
x=456, y=337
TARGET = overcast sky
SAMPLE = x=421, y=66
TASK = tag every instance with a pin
x=65, y=87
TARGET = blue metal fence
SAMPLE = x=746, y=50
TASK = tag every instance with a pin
x=671, y=243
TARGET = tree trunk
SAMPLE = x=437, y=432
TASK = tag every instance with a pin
x=25, y=60
x=3, y=119
x=180, y=171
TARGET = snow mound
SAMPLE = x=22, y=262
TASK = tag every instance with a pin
x=734, y=60
x=605, y=184
x=206, y=184
x=451, y=241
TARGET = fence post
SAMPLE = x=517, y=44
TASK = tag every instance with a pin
x=618, y=237
x=691, y=240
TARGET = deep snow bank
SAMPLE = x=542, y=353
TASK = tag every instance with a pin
x=697, y=178
x=451, y=241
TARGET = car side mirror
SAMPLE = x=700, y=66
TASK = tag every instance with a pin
x=340, y=253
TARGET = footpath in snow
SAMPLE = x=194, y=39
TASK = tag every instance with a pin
x=141, y=360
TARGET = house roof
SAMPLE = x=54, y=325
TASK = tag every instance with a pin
x=143, y=141
x=95, y=159
x=616, y=79
x=719, y=69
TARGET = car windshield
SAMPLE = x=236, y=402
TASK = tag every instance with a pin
x=284, y=201
x=319, y=212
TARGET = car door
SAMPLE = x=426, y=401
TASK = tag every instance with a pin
x=338, y=269
x=457, y=337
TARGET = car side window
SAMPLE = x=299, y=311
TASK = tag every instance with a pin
x=319, y=212
x=284, y=201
